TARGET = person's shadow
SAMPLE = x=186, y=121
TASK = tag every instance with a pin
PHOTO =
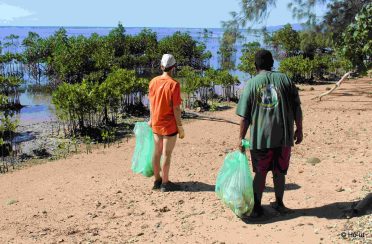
x=195, y=186
x=330, y=211
x=288, y=187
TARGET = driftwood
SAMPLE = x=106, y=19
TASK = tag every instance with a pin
x=334, y=88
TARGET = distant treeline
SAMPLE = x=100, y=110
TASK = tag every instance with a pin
x=97, y=79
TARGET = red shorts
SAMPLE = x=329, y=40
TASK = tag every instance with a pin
x=271, y=159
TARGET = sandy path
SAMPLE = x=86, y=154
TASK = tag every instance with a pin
x=96, y=197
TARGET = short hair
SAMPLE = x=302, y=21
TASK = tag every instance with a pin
x=263, y=60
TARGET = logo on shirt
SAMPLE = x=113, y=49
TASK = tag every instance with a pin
x=267, y=96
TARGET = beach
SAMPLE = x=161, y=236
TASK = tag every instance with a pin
x=95, y=198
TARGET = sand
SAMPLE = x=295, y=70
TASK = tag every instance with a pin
x=95, y=198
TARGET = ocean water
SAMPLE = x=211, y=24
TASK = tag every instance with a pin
x=39, y=108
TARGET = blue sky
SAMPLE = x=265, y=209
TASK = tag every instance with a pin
x=132, y=13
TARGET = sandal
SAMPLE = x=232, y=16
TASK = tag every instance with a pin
x=157, y=184
x=283, y=210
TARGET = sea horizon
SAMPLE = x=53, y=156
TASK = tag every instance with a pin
x=294, y=25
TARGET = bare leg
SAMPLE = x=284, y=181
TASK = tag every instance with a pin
x=279, y=184
x=168, y=146
x=157, y=155
x=258, y=187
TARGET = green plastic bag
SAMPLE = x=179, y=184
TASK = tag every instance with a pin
x=142, y=157
x=234, y=184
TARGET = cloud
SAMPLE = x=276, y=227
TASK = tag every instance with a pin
x=10, y=13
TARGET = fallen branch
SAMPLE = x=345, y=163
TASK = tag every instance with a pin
x=334, y=88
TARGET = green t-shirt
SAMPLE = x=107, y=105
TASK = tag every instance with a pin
x=269, y=102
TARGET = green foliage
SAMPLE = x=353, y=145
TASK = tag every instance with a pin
x=63, y=149
x=213, y=107
x=256, y=11
x=203, y=83
x=72, y=59
x=206, y=34
x=297, y=68
x=247, y=59
x=302, y=69
x=88, y=144
x=9, y=101
x=340, y=15
x=108, y=136
x=74, y=142
x=341, y=65
x=313, y=42
x=11, y=43
x=346, y=26
x=8, y=127
x=186, y=51
x=89, y=104
x=286, y=40
x=227, y=50
x=221, y=77
x=190, y=80
x=74, y=102
x=144, y=49
x=308, y=54
x=34, y=55
x=9, y=92
x=92, y=84
x=11, y=64
x=356, y=43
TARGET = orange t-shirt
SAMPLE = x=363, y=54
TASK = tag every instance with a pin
x=164, y=94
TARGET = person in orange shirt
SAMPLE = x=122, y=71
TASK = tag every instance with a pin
x=165, y=121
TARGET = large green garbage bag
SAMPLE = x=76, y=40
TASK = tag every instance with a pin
x=234, y=184
x=142, y=157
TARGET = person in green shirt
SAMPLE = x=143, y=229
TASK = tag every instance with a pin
x=269, y=105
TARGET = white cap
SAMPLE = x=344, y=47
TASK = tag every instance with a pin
x=168, y=61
